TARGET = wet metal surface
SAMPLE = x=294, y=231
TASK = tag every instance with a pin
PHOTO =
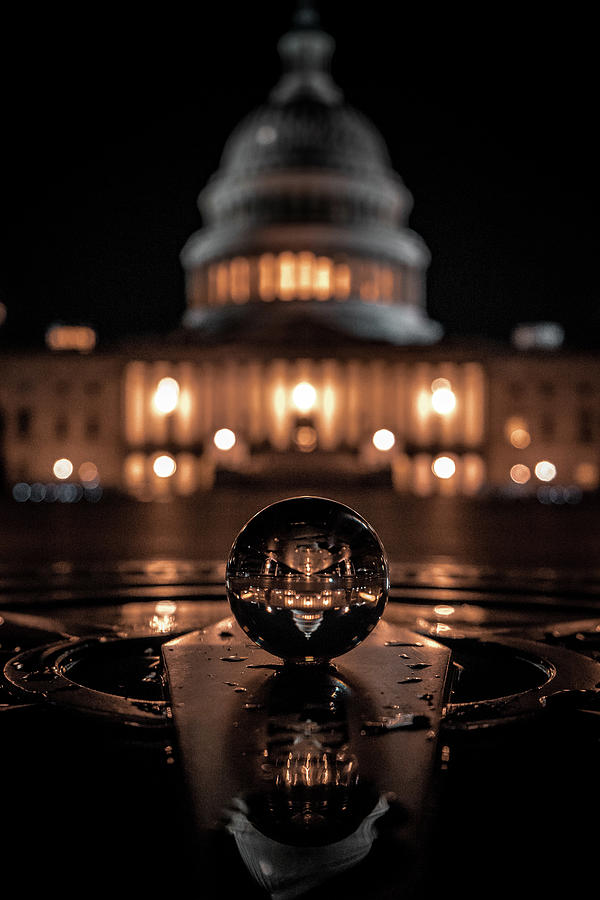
x=225, y=738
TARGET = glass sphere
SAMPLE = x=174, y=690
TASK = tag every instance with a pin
x=307, y=579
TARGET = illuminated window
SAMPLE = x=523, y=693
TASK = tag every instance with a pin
x=342, y=280
x=266, y=277
x=306, y=266
x=286, y=276
x=386, y=284
x=240, y=279
x=222, y=282
x=71, y=337
x=322, y=278
x=369, y=282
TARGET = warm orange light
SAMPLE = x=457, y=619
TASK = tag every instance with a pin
x=224, y=439
x=63, y=468
x=383, y=439
x=440, y=384
x=71, y=337
x=164, y=466
x=443, y=400
x=520, y=474
x=520, y=438
x=443, y=467
x=166, y=395
x=443, y=610
x=545, y=470
x=88, y=473
x=305, y=438
x=304, y=396
x=586, y=475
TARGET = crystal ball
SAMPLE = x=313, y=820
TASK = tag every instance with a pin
x=307, y=579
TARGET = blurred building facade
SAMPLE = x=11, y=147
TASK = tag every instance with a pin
x=306, y=353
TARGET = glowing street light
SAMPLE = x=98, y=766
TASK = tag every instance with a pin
x=443, y=467
x=383, y=439
x=164, y=466
x=63, y=468
x=545, y=470
x=443, y=398
x=224, y=439
x=304, y=396
x=166, y=395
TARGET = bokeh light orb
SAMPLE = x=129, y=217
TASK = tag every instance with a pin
x=307, y=579
x=62, y=468
x=164, y=466
x=545, y=470
x=224, y=439
x=383, y=439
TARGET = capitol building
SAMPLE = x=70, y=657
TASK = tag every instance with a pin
x=306, y=355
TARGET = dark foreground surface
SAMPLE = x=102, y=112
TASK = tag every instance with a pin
x=143, y=754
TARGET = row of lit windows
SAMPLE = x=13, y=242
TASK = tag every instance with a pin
x=302, y=276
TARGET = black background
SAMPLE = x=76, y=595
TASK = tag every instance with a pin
x=114, y=118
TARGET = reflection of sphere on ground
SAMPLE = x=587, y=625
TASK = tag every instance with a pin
x=308, y=814
x=307, y=579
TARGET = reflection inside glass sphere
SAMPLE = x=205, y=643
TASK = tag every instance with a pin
x=307, y=579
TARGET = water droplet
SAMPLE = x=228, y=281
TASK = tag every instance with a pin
x=226, y=634
x=231, y=683
x=403, y=644
x=404, y=656
x=419, y=665
x=240, y=690
x=412, y=679
x=233, y=658
x=391, y=723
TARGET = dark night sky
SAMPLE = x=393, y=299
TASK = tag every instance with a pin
x=112, y=126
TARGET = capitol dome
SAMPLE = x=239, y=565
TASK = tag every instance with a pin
x=306, y=209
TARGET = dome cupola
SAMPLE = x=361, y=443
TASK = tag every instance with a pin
x=305, y=208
